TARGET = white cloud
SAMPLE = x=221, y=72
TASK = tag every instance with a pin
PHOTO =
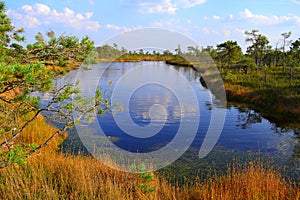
x=42, y=9
x=127, y=29
x=92, y=26
x=246, y=13
x=215, y=17
x=153, y=7
x=297, y=19
x=88, y=15
x=14, y=14
x=263, y=19
x=31, y=22
x=77, y=21
x=91, y=2
x=167, y=6
x=79, y=16
x=27, y=8
x=171, y=23
x=68, y=12
x=189, y=3
x=41, y=14
x=27, y=20
x=295, y=2
x=122, y=28
x=113, y=27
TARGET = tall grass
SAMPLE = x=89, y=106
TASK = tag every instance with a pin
x=248, y=181
x=53, y=175
x=38, y=132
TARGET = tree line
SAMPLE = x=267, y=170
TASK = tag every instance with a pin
x=259, y=53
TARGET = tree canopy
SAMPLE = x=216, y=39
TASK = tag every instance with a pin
x=10, y=38
x=23, y=73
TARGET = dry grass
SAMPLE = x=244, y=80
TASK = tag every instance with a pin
x=52, y=175
x=55, y=176
x=70, y=66
x=249, y=181
x=38, y=132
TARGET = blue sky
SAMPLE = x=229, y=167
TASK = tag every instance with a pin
x=208, y=22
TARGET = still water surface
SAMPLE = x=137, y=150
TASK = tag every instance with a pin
x=245, y=135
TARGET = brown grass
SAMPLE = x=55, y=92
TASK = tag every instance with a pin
x=52, y=175
x=249, y=181
x=38, y=132
x=55, y=176
x=70, y=66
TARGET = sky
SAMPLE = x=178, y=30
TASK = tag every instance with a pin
x=208, y=22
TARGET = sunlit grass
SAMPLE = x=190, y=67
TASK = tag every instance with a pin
x=53, y=175
x=273, y=92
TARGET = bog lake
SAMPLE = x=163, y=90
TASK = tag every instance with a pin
x=246, y=135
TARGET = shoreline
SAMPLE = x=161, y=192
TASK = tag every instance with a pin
x=283, y=111
x=53, y=174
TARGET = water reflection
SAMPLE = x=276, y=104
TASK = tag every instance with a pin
x=247, y=117
x=152, y=104
x=145, y=97
x=245, y=131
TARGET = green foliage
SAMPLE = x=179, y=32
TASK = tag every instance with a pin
x=16, y=156
x=146, y=178
x=145, y=188
x=112, y=53
x=24, y=77
x=259, y=46
x=228, y=53
x=10, y=49
x=295, y=53
x=58, y=50
x=17, y=104
x=32, y=147
x=19, y=107
x=108, y=52
x=246, y=63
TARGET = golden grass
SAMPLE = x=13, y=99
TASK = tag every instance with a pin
x=52, y=175
x=38, y=132
x=249, y=181
x=55, y=176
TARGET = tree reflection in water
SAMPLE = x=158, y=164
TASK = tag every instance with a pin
x=247, y=117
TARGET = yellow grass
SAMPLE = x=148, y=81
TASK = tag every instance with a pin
x=38, y=132
x=248, y=181
x=52, y=175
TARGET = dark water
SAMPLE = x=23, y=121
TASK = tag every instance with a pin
x=245, y=135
